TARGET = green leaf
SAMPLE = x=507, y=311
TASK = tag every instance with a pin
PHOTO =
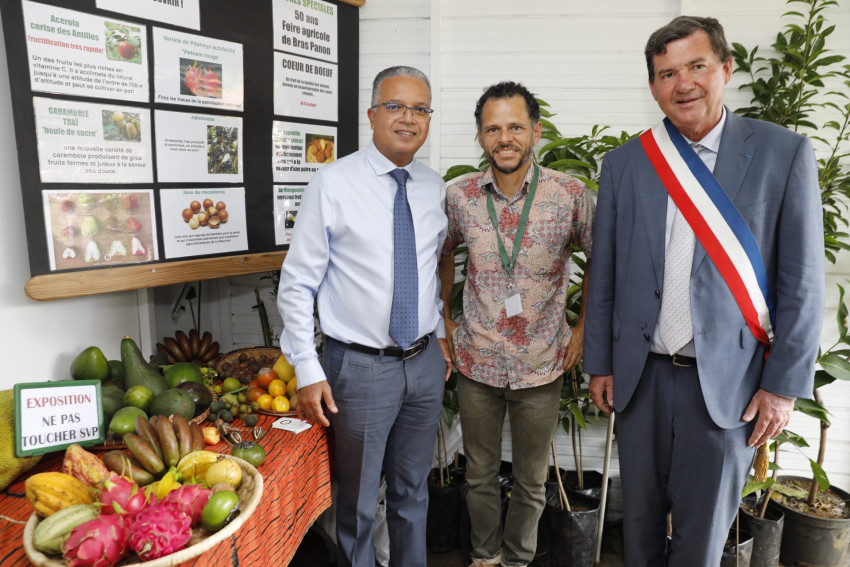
x=753, y=486
x=812, y=409
x=790, y=491
x=835, y=366
x=790, y=437
x=820, y=475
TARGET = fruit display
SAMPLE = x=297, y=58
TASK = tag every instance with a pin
x=119, y=522
x=194, y=347
x=269, y=377
x=209, y=214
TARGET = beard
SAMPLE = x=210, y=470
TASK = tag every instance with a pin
x=510, y=169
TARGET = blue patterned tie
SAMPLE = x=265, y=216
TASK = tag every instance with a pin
x=404, y=317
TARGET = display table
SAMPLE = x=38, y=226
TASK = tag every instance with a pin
x=297, y=489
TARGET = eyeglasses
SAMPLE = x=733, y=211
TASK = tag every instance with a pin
x=396, y=109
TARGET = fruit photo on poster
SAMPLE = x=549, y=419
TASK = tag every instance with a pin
x=121, y=126
x=123, y=43
x=200, y=78
x=222, y=149
x=319, y=148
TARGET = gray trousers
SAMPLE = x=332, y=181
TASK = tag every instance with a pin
x=533, y=416
x=674, y=459
x=387, y=420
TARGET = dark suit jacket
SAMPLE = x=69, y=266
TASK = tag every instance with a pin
x=770, y=173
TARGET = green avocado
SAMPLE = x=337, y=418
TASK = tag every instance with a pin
x=137, y=372
x=173, y=401
x=90, y=364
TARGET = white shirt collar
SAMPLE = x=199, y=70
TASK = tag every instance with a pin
x=711, y=141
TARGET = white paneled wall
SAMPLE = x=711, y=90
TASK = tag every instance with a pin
x=585, y=59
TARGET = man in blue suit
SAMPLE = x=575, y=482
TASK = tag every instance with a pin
x=679, y=324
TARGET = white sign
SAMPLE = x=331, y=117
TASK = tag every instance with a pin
x=287, y=201
x=305, y=27
x=203, y=221
x=196, y=70
x=80, y=54
x=305, y=88
x=299, y=150
x=198, y=147
x=95, y=143
x=185, y=13
x=53, y=415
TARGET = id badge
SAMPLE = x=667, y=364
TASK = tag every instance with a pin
x=513, y=304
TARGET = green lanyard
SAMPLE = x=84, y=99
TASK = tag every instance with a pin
x=520, y=231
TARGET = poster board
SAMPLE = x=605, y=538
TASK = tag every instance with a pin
x=163, y=145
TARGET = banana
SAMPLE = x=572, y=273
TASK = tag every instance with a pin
x=161, y=348
x=183, y=434
x=194, y=342
x=173, y=348
x=146, y=431
x=127, y=465
x=185, y=347
x=170, y=448
x=212, y=353
x=198, y=443
x=195, y=464
x=144, y=453
x=204, y=345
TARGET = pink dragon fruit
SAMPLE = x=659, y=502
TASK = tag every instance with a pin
x=101, y=542
x=160, y=529
x=192, y=79
x=191, y=498
x=212, y=84
x=121, y=496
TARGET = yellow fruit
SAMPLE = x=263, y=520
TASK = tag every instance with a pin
x=49, y=492
x=196, y=464
x=277, y=388
x=10, y=465
x=280, y=403
x=292, y=387
x=285, y=371
x=265, y=402
x=225, y=470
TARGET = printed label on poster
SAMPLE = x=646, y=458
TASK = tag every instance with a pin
x=198, y=147
x=80, y=54
x=203, y=221
x=197, y=70
x=287, y=201
x=305, y=88
x=306, y=27
x=299, y=150
x=93, y=143
x=184, y=13
x=99, y=228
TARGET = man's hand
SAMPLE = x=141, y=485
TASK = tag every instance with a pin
x=774, y=413
x=450, y=325
x=601, y=392
x=574, y=348
x=310, y=402
x=444, y=346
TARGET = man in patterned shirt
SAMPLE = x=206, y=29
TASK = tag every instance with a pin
x=513, y=344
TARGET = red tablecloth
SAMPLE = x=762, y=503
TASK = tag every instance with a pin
x=296, y=490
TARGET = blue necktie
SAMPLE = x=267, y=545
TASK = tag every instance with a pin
x=404, y=317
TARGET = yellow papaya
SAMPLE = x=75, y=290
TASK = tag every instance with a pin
x=49, y=492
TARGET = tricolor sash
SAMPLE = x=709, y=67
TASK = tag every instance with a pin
x=717, y=224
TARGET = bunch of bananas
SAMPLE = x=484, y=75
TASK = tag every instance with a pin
x=194, y=347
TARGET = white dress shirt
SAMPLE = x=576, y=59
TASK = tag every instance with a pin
x=342, y=253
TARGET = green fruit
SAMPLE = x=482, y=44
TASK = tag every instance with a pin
x=139, y=397
x=137, y=372
x=89, y=226
x=200, y=393
x=229, y=384
x=124, y=420
x=52, y=532
x=183, y=372
x=173, y=401
x=251, y=420
x=116, y=370
x=90, y=365
x=220, y=510
x=250, y=451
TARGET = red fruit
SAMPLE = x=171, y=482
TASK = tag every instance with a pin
x=126, y=49
x=132, y=225
x=212, y=84
x=191, y=498
x=131, y=202
x=121, y=496
x=67, y=206
x=101, y=542
x=192, y=80
x=162, y=528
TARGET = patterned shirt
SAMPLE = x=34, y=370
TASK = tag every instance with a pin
x=528, y=349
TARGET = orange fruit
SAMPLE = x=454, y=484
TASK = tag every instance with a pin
x=280, y=403
x=253, y=393
x=277, y=387
x=265, y=402
x=292, y=387
x=265, y=376
x=254, y=382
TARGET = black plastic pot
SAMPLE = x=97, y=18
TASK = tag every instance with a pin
x=740, y=554
x=442, y=526
x=812, y=540
x=767, y=533
x=573, y=534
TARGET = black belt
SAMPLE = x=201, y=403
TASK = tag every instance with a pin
x=412, y=351
x=677, y=359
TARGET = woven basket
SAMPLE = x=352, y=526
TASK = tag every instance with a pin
x=232, y=357
x=250, y=492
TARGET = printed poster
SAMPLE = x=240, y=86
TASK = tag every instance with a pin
x=196, y=222
x=198, y=71
x=287, y=201
x=108, y=227
x=98, y=143
x=184, y=13
x=198, y=147
x=299, y=150
x=305, y=88
x=305, y=27
x=80, y=54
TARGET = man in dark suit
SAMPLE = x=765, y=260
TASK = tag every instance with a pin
x=668, y=326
